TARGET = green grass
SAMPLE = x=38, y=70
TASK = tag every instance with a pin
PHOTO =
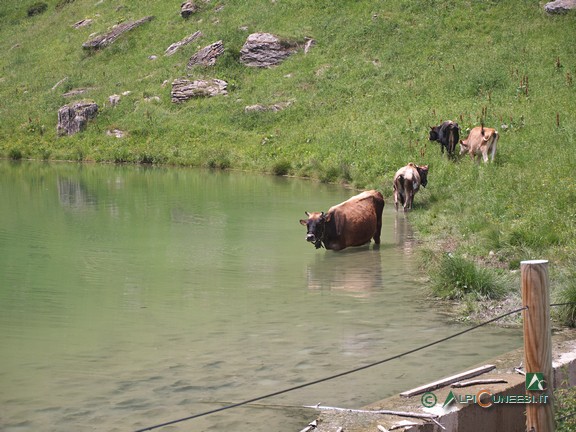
x=458, y=278
x=565, y=408
x=363, y=98
x=566, y=296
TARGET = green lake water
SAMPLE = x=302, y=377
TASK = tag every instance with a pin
x=133, y=296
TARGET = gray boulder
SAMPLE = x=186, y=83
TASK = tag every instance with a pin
x=560, y=6
x=188, y=8
x=207, y=56
x=74, y=118
x=108, y=38
x=265, y=50
x=184, y=89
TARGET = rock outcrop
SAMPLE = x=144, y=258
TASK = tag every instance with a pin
x=184, y=89
x=265, y=50
x=177, y=45
x=74, y=118
x=188, y=8
x=262, y=108
x=109, y=38
x=207, y=56
x=82, y=23
x=560, y=6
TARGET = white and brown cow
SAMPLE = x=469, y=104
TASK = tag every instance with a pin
x=407, y=181
x=481, y=141
x=351, y=223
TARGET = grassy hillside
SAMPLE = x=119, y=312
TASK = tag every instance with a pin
x=363, y=98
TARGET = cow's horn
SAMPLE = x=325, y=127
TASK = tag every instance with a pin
x=307, y=214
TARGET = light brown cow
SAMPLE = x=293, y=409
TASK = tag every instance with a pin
x=407, y=181
x=351, y=223
x=480, y=142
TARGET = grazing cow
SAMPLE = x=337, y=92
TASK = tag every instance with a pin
x=479, y=143
x=447, y=134
x=407, y=181
x=351, y=223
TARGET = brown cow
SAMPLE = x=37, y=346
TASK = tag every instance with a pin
x=407, y=181
x=479, y=143
x=351, y=223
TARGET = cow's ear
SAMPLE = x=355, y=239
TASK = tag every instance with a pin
x=303, y=222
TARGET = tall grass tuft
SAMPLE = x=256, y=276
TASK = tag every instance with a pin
x=567, y=294
x=565, y=408
x=456, y=278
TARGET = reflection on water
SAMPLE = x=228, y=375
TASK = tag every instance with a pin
x=404, y=234
x=353, y=271
x=133, y=296
x=73, y=194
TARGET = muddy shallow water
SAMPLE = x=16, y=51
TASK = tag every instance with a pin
x=134, y=296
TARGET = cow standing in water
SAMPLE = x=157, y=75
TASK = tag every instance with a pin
x=407, y=181
x=447, y=134
x=480, y=142
x=351, y=223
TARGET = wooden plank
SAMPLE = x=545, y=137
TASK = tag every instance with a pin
x=449, y=380
x=380, y=411
x=461, y=384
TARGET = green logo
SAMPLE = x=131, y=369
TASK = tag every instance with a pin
x=428, y=399
x=449, y=399
x=535, y=381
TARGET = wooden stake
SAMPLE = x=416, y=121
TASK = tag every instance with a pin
x=537, y=341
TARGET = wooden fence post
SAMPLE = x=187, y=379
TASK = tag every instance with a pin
x=537, y=342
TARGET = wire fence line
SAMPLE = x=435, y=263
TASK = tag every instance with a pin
x=338, y=375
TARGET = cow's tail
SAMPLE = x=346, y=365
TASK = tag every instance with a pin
x=400, y=180
x=483, y=133
x=495, y=137
x=453, y=138
x=379, y=204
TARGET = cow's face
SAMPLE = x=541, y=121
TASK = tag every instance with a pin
x=434, y=135
x=315, y=227
x=423, y=171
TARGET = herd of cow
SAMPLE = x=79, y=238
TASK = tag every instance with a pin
x=357, y=220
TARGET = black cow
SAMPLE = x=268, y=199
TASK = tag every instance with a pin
x=447, y=134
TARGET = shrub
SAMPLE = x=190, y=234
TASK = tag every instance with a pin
x=281, y=168
x=37, y=8
x=329, y=174
x=15, y=154
x=455, y=278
